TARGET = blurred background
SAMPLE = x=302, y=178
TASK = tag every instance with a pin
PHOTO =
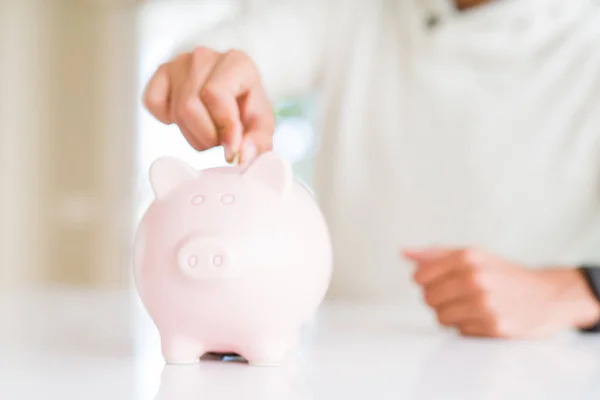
x=75, y=142
x=76, y=145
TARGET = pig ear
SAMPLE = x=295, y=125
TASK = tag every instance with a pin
x=166, y=173
x=272, y=170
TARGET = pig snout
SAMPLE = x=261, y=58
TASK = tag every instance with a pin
x=204, y=258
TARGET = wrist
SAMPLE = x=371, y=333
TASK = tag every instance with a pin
x=574, y=300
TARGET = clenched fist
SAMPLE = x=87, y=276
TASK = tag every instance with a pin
x=481, y=294
x=215, y=99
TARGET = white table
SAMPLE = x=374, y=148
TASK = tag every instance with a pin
x=66, y=344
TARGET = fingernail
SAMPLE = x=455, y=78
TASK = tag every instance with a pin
x=228, y=154
x=250, y=152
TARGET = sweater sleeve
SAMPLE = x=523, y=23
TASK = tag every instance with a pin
x=592, y=277
x=285, y=39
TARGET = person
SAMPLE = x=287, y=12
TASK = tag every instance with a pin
x=460, y=151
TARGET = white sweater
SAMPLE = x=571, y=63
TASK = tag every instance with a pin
x=482, y=131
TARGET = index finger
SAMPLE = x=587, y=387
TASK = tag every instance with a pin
x=234, y=76
x=429, y=272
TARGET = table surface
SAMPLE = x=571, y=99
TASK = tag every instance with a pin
x=69, y=344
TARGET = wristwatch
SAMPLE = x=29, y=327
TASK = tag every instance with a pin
x=591, y=273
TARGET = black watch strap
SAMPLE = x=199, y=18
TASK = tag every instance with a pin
x=591, y=274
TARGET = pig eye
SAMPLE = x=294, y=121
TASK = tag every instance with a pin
x=227, y=199
x=197, y=200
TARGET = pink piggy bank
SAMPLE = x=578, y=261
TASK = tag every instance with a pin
x=231, y=260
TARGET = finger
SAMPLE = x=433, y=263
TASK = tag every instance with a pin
x=457, y=260
x=259, y=124
x=459, y=312
x=189, y=111
x=482, y=327
x=235, y=76
x=157, y=95
x=194, y=118
x=455, y=286
x=224, y=112
x=194, y=141
x=473, y=328
x=431, y=271
x=254, y=144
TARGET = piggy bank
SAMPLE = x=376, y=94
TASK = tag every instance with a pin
x=231, y=259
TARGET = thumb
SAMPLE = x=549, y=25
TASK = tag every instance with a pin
x=255, y=143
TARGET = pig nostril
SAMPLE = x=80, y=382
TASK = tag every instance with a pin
x=227, y=199
x=197, y=200
x=193, y=261
x=217, y=261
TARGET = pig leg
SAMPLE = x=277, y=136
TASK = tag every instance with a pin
x=179, y=349
x=268, y=352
